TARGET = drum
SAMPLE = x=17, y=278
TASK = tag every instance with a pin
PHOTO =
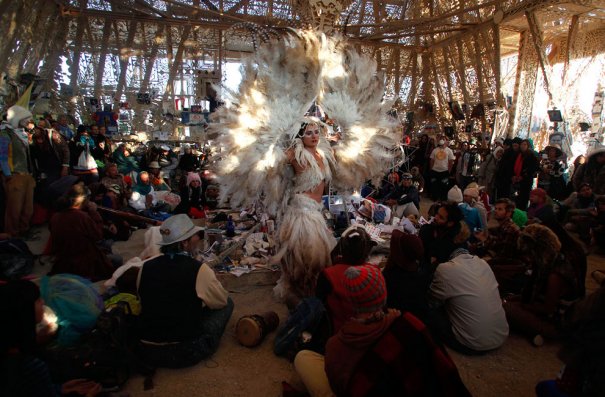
x=252, y=329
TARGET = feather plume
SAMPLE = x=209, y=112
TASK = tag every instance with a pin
x=279, y=84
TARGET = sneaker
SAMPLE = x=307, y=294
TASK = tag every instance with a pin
x=537, y=340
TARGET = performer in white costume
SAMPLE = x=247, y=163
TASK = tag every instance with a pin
x=266, y=156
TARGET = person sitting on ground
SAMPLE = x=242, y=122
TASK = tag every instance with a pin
x=554, y=281
x=468, y=316
x=471, y=215
x=157, y=178
x=22, y=373
x=499, y=244
x=583, y=351
x=407, y=280
x=75, y=230
x=115, y=183
x=83, y=164
x=378, y=352
x=404, y=199
x=125, y=162
x=417, y=179
x=352, y=249
x=580, y=211
x=142, y=193
x=540, y=209
x=192, y=200
x=184, y=308
x=471, y=197
x=447, y=232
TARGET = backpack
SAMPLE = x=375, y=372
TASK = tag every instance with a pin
x=16, y=259
x=308, y=328
x=105, y=355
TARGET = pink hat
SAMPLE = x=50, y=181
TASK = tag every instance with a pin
x=193, y=176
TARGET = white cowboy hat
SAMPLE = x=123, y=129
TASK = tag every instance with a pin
x=178, y=228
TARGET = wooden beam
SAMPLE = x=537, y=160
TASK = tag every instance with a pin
x=462, y=74
x=571, y=38
x=496, y=63
x=151, y=62
x=102, y=57
x=132, y=29
x=536, y=34
x=175, y=64
x=511, y=13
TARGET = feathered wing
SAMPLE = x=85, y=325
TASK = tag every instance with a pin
x=279, y=83
x=352, y=94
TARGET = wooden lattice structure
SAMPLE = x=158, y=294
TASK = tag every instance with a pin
x=433, y=51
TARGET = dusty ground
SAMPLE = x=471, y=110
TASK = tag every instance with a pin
x=235, y=370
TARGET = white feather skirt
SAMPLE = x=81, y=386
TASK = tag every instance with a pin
x=305, y=247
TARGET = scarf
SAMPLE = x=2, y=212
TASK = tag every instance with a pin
x=518, y=165
x=141, y=188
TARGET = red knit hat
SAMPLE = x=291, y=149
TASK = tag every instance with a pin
x=366, y=288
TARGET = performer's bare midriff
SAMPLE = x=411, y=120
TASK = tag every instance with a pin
x=310, y=140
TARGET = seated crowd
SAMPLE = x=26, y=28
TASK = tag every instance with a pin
x=495, y=255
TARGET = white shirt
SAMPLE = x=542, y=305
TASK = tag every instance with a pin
x=442, y=156
x=470, y=291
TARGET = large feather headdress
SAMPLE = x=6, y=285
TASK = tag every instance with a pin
x=279, y=84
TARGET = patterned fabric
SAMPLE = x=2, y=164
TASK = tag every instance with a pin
x=366, y=287
x=502, y=241
x=406, y=361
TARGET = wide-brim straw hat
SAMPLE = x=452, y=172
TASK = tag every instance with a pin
x=178, y=228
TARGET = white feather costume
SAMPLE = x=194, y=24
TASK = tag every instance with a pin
x=279, y=84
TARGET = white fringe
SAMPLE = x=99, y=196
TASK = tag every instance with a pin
x=305, y=247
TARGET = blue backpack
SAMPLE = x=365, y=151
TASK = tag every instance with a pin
x=309, y=317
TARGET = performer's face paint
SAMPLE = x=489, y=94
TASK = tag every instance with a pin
x=311, y=135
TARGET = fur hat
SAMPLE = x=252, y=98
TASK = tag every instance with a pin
x=455, y=194
x=17, y=113
x=540, y=240
x=472, y=191
x=193, y=176
x=365, y=288
x=177, y=228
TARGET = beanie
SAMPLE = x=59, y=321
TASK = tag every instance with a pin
x=17, y=113
x=365, y=288
x=455, y=195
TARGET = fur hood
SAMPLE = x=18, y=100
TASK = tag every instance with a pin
x=17, y=113
x=541, y=241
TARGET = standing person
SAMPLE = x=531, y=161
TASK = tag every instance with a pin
x=552, y=168
x=64, y=128
x=593, y=171
x=525, y=167
x=378, y=351
x=184, y=308
x=473, y=320
x=50, y=157
x=489, y=169
x=441, y=163
x=504, y=173
x=306, y=241
x=17, y=168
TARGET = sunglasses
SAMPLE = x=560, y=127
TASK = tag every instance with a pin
x=311, y=132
